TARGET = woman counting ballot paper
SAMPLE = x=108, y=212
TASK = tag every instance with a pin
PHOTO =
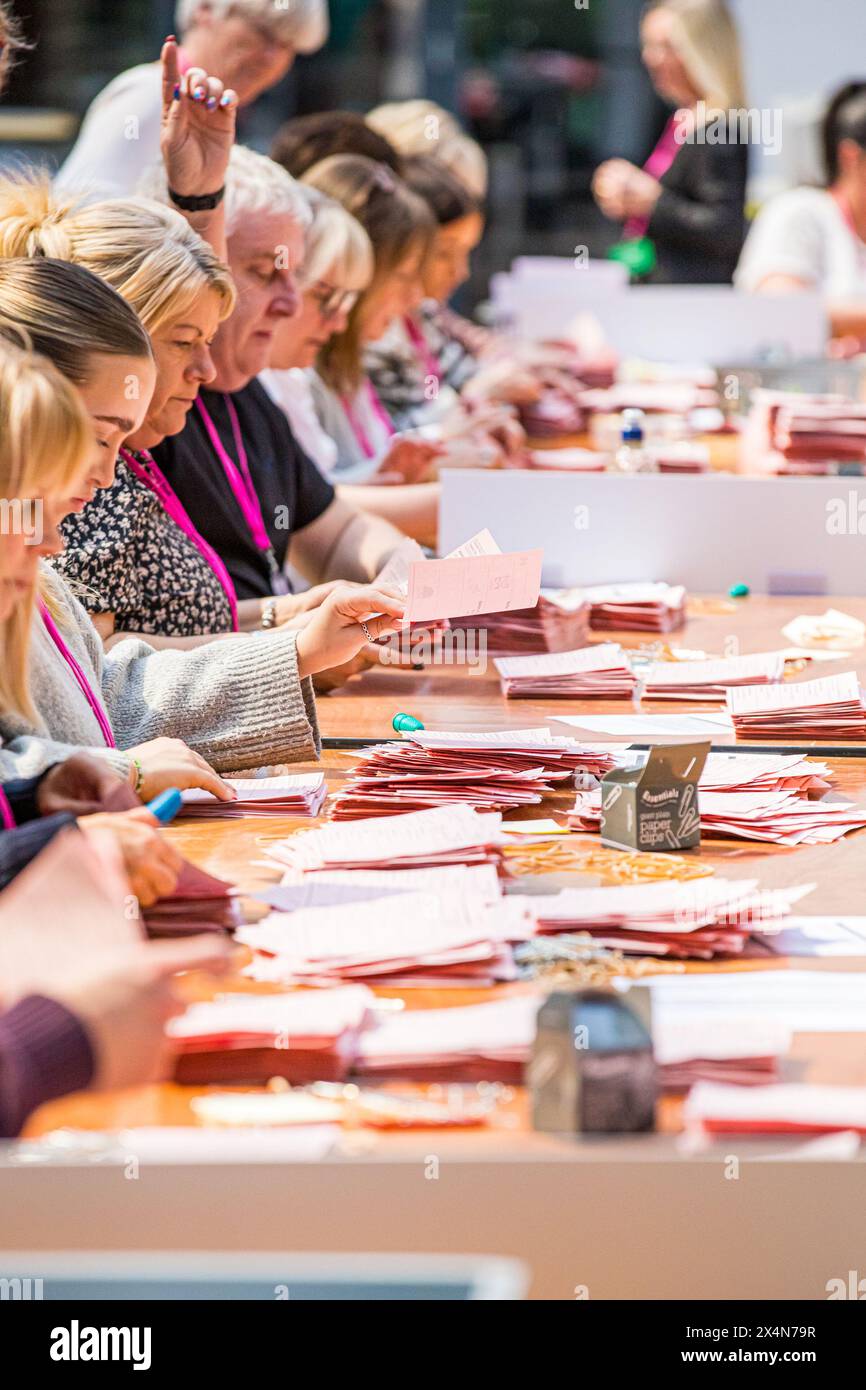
x=45, y=444
x=236, y=703
x=684, y=210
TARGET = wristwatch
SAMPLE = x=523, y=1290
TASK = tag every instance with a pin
x=269, y=613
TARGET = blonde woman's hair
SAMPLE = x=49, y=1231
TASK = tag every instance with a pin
x=44, y=444
x=398, y=223
x=336, y=245
x=707, y=43
x=145, y=251
x=421, y=127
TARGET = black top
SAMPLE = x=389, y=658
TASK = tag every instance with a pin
x=698, y=224
x=291, y=490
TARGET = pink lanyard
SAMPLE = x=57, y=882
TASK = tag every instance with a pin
x=6, y=812
x=422, y=349
x=666, y=150
x=101, y=716
x=357, y=428
x=149, y=473
x=241, y=483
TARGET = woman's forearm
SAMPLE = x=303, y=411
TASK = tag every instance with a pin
x=412, y=507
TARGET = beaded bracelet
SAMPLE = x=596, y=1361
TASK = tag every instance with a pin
x=139, y=775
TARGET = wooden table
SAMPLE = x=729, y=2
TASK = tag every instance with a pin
x=627, y=1218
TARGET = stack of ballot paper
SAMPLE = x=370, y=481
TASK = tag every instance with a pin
x=200, y=902
x=601, y=672
x=359, y=885
x=794, y=433
x=551, y=626
x=422, y=839
x=782, y=1109
x=410, y=938
x=636, y=607
x=708, y=680
x=479, y=1042
x=298, y=794
x=698, y=919
x=756, y=796
x=655, y=397
x=489, y=770
x=494, y=1041
x=555, y=413
x=830, y=707
x=305, y=1036
x=566, y=460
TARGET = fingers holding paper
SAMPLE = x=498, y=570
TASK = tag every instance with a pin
x=347, y=619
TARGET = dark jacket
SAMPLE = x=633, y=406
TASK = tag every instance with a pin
x=698, y=224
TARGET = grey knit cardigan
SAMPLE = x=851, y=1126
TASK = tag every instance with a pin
x=239, y=702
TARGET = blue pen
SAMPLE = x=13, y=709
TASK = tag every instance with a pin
x=166, y=806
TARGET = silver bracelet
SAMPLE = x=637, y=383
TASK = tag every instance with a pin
x=269, y=613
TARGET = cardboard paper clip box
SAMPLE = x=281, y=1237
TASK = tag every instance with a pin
x=655, y=806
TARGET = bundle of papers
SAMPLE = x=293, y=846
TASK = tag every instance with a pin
x=416, y=938
x=489, y=1042
x=601, y=672
x=698, y=919
x=200, y=902
x=791, y=432
x=830, y=707
x=638, y=607
x=422, y=839
x=782, y=1109
x=659, y=397
x=550, y=626
x=756, y=797
x=494, y=1041
x=708, y=680
x=299, y=794
x=305, y=1036
x=555, y=413
x=359, y=885
x=567, y=460
x=488, y=770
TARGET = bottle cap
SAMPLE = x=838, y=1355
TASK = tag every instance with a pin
x=632, y=425
x=405, y=723
x=738, y=591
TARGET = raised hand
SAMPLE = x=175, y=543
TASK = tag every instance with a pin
x=198, y=127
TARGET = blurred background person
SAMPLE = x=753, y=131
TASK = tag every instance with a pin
x=248, y=44
x=688, y=199
x=815, y=238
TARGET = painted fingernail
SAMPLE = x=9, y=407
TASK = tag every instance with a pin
x=175, y=96
x=170, y=38
x=199, y=94
x=211, y=103
x=225, y=99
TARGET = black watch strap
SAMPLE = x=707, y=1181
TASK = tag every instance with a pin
x=206, y=202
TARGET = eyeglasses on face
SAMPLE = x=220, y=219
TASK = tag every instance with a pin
x=330, y=300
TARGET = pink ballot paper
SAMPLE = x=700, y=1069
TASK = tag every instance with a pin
x=462, y=585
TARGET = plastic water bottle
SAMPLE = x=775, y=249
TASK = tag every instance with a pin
x=632, y=455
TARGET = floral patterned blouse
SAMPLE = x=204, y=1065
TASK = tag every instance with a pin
x=131, y=559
